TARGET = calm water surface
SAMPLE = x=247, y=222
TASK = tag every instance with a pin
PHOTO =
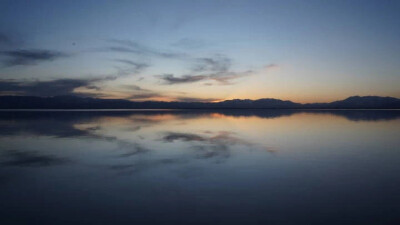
x=200, y=167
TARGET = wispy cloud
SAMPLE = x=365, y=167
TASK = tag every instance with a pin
x=216, y=146
x=171, y=79
x=219, y=64
x=173, y=136
x=134, y=87
x=134, y=148
x=216, y=68
x=271, y=66
x=142, y=94
x=128, y=46
x=190, y=99
x=226, y=78
x=30, y=57
x=139, y=93
x=222, y=78
x=128, y=67
x=136, y=65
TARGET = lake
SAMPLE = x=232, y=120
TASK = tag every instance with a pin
x=200, y=167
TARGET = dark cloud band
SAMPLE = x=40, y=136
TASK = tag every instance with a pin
x=171, y=79
x=29, y=57
x=42, y=88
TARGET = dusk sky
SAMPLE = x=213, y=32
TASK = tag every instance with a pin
x=304, y=51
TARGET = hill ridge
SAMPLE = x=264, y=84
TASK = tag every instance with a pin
x=77, y=102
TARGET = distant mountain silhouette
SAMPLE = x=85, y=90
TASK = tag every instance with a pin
x=74, y=102
x=360, y=102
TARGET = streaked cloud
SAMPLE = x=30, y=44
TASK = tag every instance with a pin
x=216, y=68
x=134, y=87
x=136, y=65
x=171, y=79
x=190, y=99
x=129, y=46
x=219, y=63
x=222, y=78
x=226, y=78
x=271, y=66
x=29, y=57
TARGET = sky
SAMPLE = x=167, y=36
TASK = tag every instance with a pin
x=303, y=51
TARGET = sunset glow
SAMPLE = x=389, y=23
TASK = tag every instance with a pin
x=204, y=51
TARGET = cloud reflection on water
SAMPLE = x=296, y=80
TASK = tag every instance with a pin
x=132, y=140
x=136, y=162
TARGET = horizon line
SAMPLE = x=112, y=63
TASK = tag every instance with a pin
x=211, y=102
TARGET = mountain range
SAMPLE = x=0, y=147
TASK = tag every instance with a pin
x=75, y=102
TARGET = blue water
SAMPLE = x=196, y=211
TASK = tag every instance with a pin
x=200, y=167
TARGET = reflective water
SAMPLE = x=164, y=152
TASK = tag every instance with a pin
x=200, y=167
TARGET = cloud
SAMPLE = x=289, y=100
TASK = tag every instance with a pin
x=135, y=149
x=128, y=46
x=222, y=78
x=67, y=86
x=138, y=67
x=226, y=78
x=60, y=125
x=189, y=99
x=224, y=137
x=12, y=56
x=171, y=79
x=131, y=67
x=216, y=146
x=216, y=68
x=140, y=93
x=29, y=57
x=140, y=166
x=135, y=87
x=218, y=64
x=271, y=66
x=30, y=159
x=43, y=88
x=145, y=96
x=123, y=49
x=171, y=137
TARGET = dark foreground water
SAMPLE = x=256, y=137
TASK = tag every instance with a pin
x=200, y=167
